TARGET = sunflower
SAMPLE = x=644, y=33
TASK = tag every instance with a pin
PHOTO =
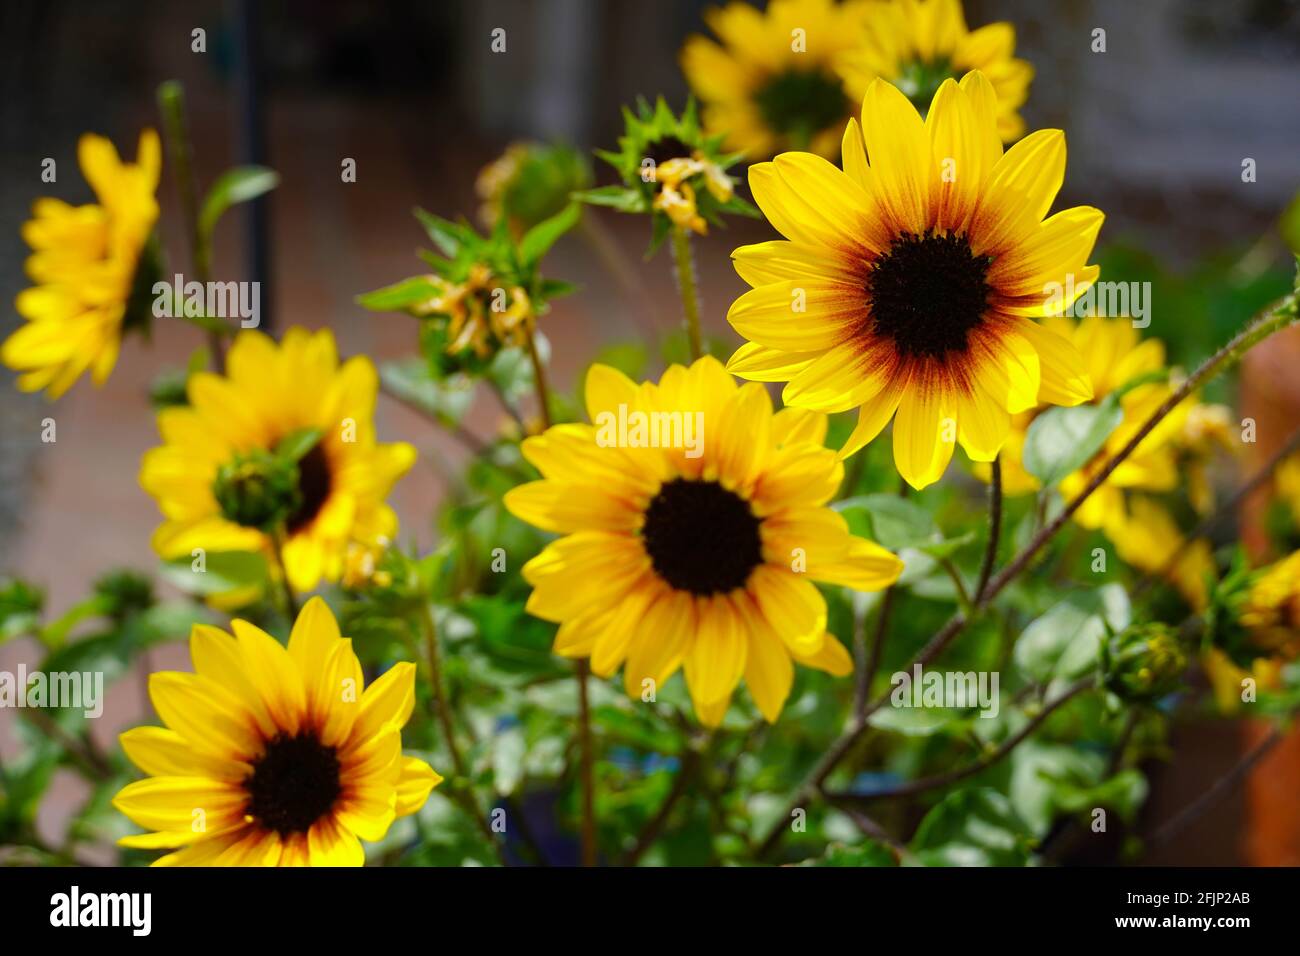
x=1146, y=537
x=907, y=285
x=1271, y=612
x=222, y=486
x=1255, y=629
x=917, y=44
x=773, y=83
x=701, y=556
x=273, y=757
x=89, y=266
x=1286, y=485
x=1115, y=358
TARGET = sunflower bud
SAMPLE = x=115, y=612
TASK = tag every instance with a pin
x=124, y=593
x=257, y=490
x=1144, y=662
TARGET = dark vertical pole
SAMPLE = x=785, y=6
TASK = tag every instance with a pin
x=250, y=139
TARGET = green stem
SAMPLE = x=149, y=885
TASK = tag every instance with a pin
x=171, y=103
x=587, y=767
x=539, y=381
x=442, y=711
x=995, y=527
x=684, y=269
x=290, y=599
x=963, y=596
x=587, y=771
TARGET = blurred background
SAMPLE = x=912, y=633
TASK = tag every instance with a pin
x=1158, y=127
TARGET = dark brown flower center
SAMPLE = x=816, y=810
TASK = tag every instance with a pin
x=701, y=537
x=293, y=784
x=666, y=148
x=314, y=483
x=927, y=293
x=801, y=103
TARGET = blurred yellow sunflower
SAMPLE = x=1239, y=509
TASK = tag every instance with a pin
x=917, y=44
x=698, y=555
x=1270, y=615
x=273, y=756
x=907, y=285
x=215, y=477
x=1144, y=533
x=1114, y=356
x=1271, y=612
x=1286, y=484
x=1146, y=537
x=84, y=264
x=772, y=83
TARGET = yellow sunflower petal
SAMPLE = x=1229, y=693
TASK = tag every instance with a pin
x=831, y=657
x=925, y=433
x=717, y=655
x=414, y=785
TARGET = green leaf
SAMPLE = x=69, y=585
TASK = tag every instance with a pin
x=975, y=827
x=1061, y=440
x=511, y=372
x=400, y=295
x=915, y=721
x=447, y=236
x=539, y=239
x=410, y=380
x=295, y=446
x=1049, y=780
x=1065, y=641
x=232, y=187
x=947, y=547
x=897, y=523
x=866, y=853
x=620, y=198
x=20, y=608
x=894, y=522
x=56, y=632
x=223, y=571
x=113, y=652
x=555, y=289
x=508, y=750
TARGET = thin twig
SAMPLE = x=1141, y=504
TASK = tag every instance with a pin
x=587, y=768
x=869, y=826
x=1217, y=791
x=82, y=751
x=995, y=527
x=938, y=781
x=686, y=774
